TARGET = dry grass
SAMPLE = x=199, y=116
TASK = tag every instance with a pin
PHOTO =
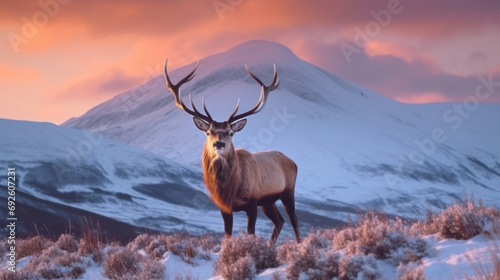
x=91, y=242
x=482, y=271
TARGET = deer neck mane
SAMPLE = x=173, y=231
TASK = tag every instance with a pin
x=221, y=175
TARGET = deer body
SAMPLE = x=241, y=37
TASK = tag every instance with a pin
x=236, y=179
x=260, y=176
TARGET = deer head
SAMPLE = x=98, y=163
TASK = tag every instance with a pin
x=219, y=134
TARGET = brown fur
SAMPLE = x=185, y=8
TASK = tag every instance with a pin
x=238, y=176
x=219, y=177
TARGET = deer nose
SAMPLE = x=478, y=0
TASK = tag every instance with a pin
x=219, y=144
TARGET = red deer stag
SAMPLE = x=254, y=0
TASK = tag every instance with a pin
x=237, y=179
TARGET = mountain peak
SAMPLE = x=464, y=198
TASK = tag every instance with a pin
x=254, y=52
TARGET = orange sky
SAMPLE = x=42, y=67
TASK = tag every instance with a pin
x=59, y=58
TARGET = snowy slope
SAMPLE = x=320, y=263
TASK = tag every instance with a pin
x=57, y=166
x=68, y=174
x=351, y=144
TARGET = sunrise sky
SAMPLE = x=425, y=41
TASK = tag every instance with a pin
x=59, y=58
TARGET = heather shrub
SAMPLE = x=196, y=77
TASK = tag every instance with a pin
x=318, y=239
x=183, y=246
x=185, y=249
x=309, y=258
x=157, y=247
x=141, y=242
x=18, y=275
x=377, y=235
x=54, y=263
x=243, y=268
x=209, y=243
x=121, y=264
x=240, y=254
x=67, y=242
x=33, y=246
x=276, y=276
x=462, y=220
x=343, y=238
x=410, y=271
x=358, y=267
x=152, y=269
x=286, y=251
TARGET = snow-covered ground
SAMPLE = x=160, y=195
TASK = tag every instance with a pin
x=452, y=259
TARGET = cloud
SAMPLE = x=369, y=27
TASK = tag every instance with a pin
x=99, y=86
x=377, y=48
x=418, y=80
x=88, y=51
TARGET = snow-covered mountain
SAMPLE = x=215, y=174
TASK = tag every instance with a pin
x=351, y=144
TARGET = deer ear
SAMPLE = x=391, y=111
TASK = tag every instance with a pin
x=201, y=124
x=239, y=125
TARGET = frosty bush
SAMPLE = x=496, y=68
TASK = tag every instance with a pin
x=462, y=220
x=152, y=269
x=243, y=268
x=54, y=263
x=141, y=242
x=121, y=264
x=308, y=259
x=18, y=275
x=67, y=242
x=385, y=239
x=184, y=248
x=239, y=254
x=411, y=271
x=33, y=246
x=209, y=243
x=157, y=247
x=358, y=267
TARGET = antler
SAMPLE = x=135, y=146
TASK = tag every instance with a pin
x=175, y=89
x=264, y=93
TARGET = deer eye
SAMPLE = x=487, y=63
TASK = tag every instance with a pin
x=208, y=133
x=231, y=134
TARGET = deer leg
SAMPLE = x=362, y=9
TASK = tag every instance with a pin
x=274, y=215
x=228, y=223
x=251, y=217
x=288, y=200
